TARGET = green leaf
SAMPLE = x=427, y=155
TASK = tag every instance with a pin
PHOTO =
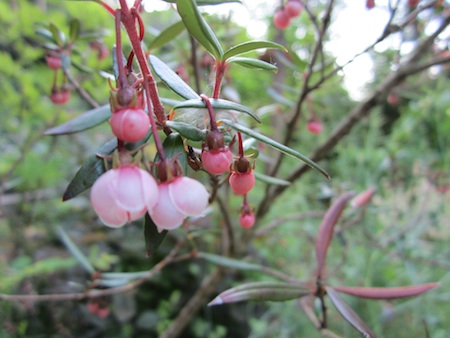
x=46, y=34
x=198, y=28
x=229, y=262
x=173, y=146
x=208, y=2
x=65, y=60
x=186, y=130
x=91, y=169
x=262, y=291
x=87, y=120
x=218, y=104
x=153, y=238
x=75, y=251
x=74, y=29
x=167, y=35
x=253, y=63
x=171, y=79
x=83, y=68
x=270, y=180
x=249, y=46
x=274, y=144
x=58, y=36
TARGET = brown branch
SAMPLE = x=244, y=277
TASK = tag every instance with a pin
x=198, y=300
x=95, y=293
x=407, y=69
x=83, y=93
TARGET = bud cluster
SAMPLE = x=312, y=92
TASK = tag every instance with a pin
x=285, y=14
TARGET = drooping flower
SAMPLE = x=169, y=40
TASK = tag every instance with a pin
x=124, y=194
x=242, y=178
x=247, y=220
x=179, y=198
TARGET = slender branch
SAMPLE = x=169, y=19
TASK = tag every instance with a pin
x=95, y=293
x=198, y=300
x=408, y=68
x=81, y=91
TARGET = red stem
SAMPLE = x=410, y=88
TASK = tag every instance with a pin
x=119, y=58
x=108, y=8
x=129, y=20
x=212, y=114
x=240, y=144
x=220, y=71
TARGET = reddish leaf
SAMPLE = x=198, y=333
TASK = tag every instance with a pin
x=386, y=293
x=349, y=315
x=326, y=230
x=363, y=198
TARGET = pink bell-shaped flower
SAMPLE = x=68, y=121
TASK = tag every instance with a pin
x=178, y=199
x=130, y=124
x=123, y=195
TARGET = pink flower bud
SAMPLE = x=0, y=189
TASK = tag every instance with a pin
x=293, y=8
x=363, y=198
x=281, y=19
x=178, y=199
x=123, y=195
x=130, y=124
x=53, y=61
x=247, y=220
x=216, y=161
x=314, y=127
x=60, y=97
x=242, y=183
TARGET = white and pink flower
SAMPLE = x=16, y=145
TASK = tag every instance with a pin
x=123, y=195
x=178, y=199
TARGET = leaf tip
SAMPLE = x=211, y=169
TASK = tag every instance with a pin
x=216, y=301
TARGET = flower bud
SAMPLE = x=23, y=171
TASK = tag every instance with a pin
x=314, y=127
x=130, y=124
x=247, y=220
x=216, y=161
x=363, y=198
x=281, y=19
x=293, y=8
x=242, y=183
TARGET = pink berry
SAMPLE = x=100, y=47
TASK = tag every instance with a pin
x=216, y=162
x=60, y=97
x=242, y=183
x=130, y=124
x=178, y=199
x=363, y=198
x=370, y=4
x=53, y=62
x=247, y=220
x=314, y=127
x=281, y=19
x=123, y=195
x=293, y=8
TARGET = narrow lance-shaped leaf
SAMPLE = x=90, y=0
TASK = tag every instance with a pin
x=270, y=179
x=188, y=131
x=386, y=293
x=229, y=262
x=253, y=63
x=198, y=27
x=349, y=315
x=326, y=229
x=249, y=46
x=75, y=251
x=153, y=238
x=218, y=104
x=91, y=169
x=171, y=79
x=167, y=35
x=276, y=145
x=263, y=291
x=82, y=122
x=74, y=29
x=59, y=36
